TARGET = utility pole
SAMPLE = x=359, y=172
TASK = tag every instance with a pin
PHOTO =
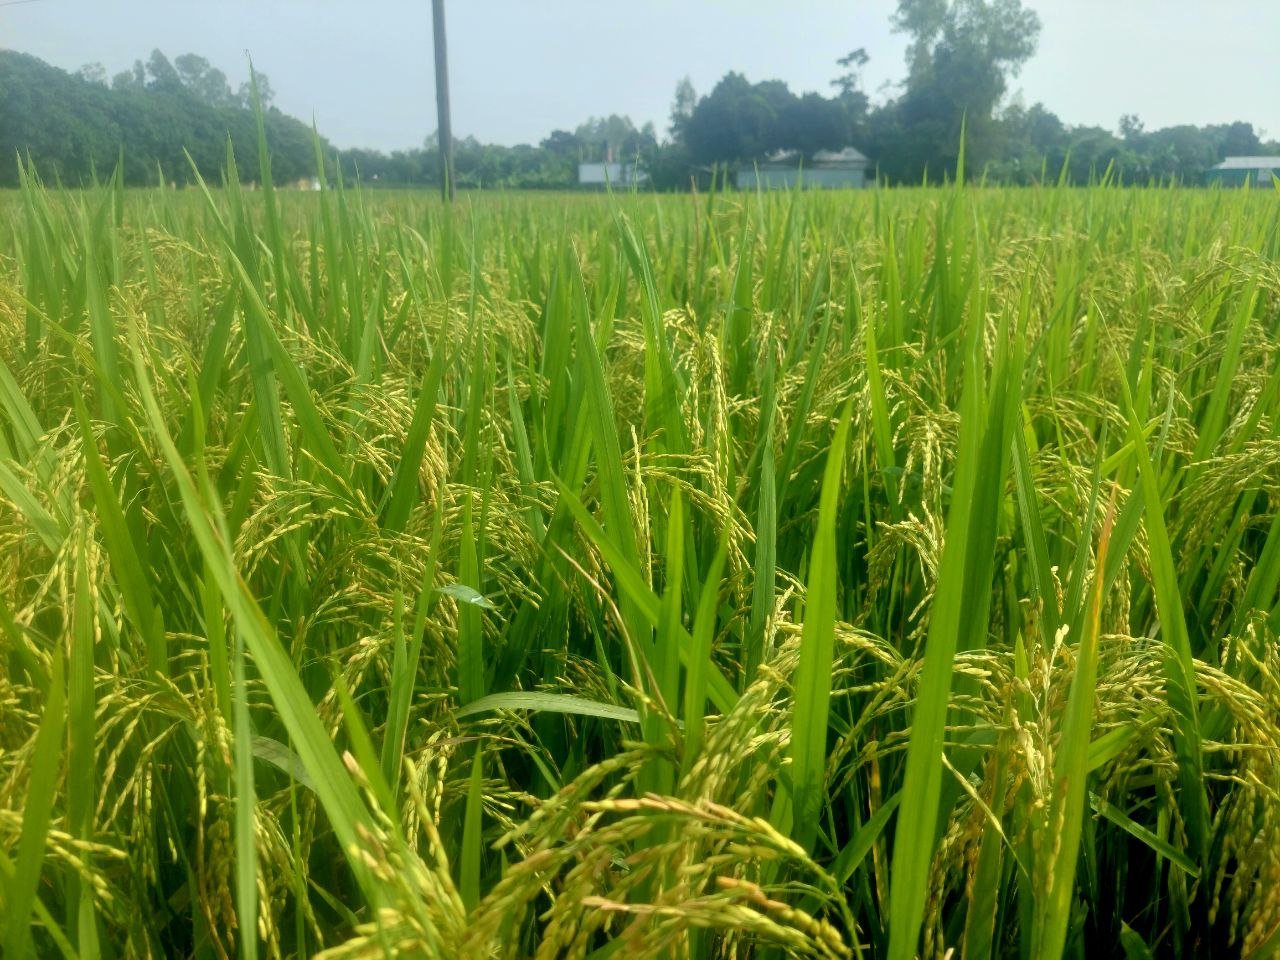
x=444, y=132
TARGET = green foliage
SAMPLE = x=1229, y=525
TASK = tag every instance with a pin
x=960, y=59
x=70, y=126
x=958, y=63
x=739, y=121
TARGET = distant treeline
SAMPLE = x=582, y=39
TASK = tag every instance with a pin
x=960, y=60
x=72, y=126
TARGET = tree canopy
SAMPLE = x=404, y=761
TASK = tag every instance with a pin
x=150, y=117
x=961, y=60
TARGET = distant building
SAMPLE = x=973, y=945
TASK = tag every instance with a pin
x=612, y=173
x=828, y=170
x=1234, y=171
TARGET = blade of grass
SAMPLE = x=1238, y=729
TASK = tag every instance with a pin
x=540, y=701
x=812, y=682
x=1066, y=811
x=127, y=566
x=37, y=811
x=700, y=665
x=958, y=615
x=1179, y=663
x=405, y=669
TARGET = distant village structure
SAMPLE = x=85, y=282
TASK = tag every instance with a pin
x=828, y=170
x=1235, y=171
x=611, y=173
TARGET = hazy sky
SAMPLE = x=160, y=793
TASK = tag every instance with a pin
x=520, y=68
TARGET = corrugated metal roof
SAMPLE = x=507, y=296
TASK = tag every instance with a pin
x=847, y=155
x=791, y=158
x=1249, y=163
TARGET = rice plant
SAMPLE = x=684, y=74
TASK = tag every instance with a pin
x=878, y=574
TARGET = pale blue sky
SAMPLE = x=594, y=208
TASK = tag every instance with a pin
x=522, y=68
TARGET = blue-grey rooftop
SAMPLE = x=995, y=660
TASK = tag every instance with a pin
x=1249, y=163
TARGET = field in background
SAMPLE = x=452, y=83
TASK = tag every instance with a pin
x=876, y=574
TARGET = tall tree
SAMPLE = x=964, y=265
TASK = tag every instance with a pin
x=134, y=78
x=959, y=61
x=266, y=93
x=204, y=80
x=94, y=73
x=733, y=122
x=1131, y=127
x=812, y=122
x=849, y=83
x=1237, y=139
x=855, y=101
x=740, y=120
x=160, y=73
x=686, y=98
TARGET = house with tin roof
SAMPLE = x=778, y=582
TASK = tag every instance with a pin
x=611, y=173
x=1235, y=171
x=828, y=170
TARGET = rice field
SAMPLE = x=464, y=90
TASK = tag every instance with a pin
x=879, y=574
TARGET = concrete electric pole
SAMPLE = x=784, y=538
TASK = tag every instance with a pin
x=444, y=131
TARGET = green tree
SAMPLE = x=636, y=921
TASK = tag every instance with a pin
x=614, y=136
x=204, y=80
x=733, y=122
x=682, y=105
x=161, y=74
x=70, y=125
x=959, y=61
x=855, y=101
x=849, y=83
x=1236, y=139
x=94, y=73
x=134, y=78
x=812, y=122
x=266, y=93
x=1131, y=127
x=741, y=121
